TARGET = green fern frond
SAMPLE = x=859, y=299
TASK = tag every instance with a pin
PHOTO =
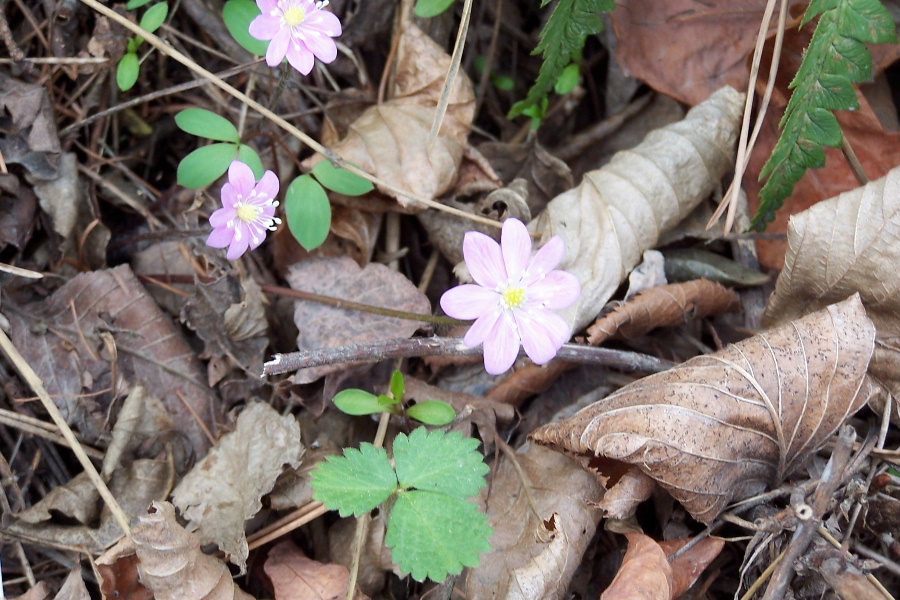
x=836, y=59
x=569, y=26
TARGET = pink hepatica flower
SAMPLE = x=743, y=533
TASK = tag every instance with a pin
x=248, y=211
x=515, y=296
x=299, y=29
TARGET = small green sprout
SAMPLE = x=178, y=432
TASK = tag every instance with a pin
x=360, y=402
x=129, y=66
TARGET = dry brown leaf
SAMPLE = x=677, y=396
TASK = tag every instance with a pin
x=545, y=175
x=621, y=209
x=390, y=140
x=17, y=207
x=535, y=554
x=645, y=573
x=375, y=561
x=848, y=244
x=663, y=306
x=41, y=591
x=142, y=417
x=172, y=565
x=688, y=566
x=29, y=128
x=622, y=499
x=73, y=587
x=117, y=573
x=62, y=335
x=722, y=427
x=323, y=326
x=296, y=577
x=224, y=489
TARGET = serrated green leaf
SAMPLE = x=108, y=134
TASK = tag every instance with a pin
x=439, y=462
x=569, y=26
x=308, y=211
x=398, y=387
x=248, y=156
x=358, y=402
x=425, y=9
x=237, y=15
x=835, y=59
x=355, y=483
x=205, y=164
x=432, y=412
x=127, y=72
x=340, y=180
x=433, y=535
x=155, y=16
x=207, y=124
x=133, y=4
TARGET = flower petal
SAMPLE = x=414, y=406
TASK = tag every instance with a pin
x=546, y=259
x=238, y=247
x=484, y=260
x=221, y=216
x=278, y=47
x=326, y=22
x=264, y=27
x=268, y=186
x=267, y=6
x=228, y=195
x=469, y=301
x=220, y=237
x=543, y=334
x=516, y=244
x=241, y=177
x=322, y=46
x=558, y=290
x=481, y=328
x=300, y=57
x=501, y=347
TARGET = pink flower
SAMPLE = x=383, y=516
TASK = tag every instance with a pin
x=515, y=296
x=248, y=211
x=299, y=29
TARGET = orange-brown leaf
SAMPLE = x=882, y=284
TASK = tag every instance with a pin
x=645, y=573
x=296, y=577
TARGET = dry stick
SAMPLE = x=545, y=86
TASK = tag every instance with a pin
x=452, y=72
x=437, y=346
x=157, y=43
x=41, y=429
x=855, y=165
x=299, y=522
x=38, y=386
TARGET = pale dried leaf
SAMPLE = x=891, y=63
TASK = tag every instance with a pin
x=296, y=577
x=225, y=488
x=663, y=306
x=41, y=591
x=545, y=175
x=142, y=417
x=722, y=427
x=29, y=128
x=73, y=587
x=323, y=326
x=390, y=140
x=841, y=246
x=621, y=209
x=534, y=555
x=77, y=499
x=645, y=573
x=622, y=499
x=172, y=565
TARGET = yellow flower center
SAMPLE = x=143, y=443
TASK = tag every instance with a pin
x=294, y=16
x=513, y=297
x=247, y=212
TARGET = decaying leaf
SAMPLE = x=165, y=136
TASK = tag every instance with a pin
x=296, y=577
x=545, y=175
x=621, y=209
x=225, y=488
x=645, y=572
x=73, y=587
x=535, y=554
x=663, y=306
x=841, y=246
x=29, y=128
x=172, y=565
x=390, y=140
x=688, y=566
x=117, y=573
x=722, y=427
x=322, y=326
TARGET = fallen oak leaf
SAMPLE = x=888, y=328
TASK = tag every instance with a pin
x=645, y=572
x=721, y=427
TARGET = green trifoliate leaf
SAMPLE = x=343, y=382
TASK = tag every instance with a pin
x=237, y=15
x=308, y=211
x=206, y=164
x=439, y=462
x=248, y=156
x=340, y=180
x=127, y=72
x=155, y=16
x=207, y=124
x=433, y=535
x=432, y=412
x=355, y=483
x=358, y=402
x=426, y=9
x=398, y=387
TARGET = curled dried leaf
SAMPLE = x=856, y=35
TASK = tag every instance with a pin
x=722, y=427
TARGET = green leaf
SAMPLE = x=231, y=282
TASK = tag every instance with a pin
x=692, y=263
x=432, y=412
x=503, y=82
x=133, y=45
x=205, y=164
x=128, y=71
x=207, y=124
x=836, y=58
x=133, y=4
x=439, y=462
x=569, y=26
x=568, y=79
x=340, y=180
x=355, y=483
x=433, y=535
x=308, y=211
x=237, y=15
x=358, y=402
x=155, y=16
x=426, y=9
x=248, y=156
x=387, y=401
x=398, y=387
